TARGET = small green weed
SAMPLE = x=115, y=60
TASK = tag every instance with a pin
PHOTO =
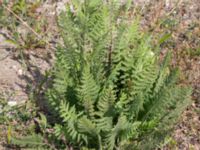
x=22, y=26
x=193, y=52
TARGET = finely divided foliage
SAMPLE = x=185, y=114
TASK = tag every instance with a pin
x=109, y=90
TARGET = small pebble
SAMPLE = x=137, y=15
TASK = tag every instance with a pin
x=14, y=67
x=20, y=72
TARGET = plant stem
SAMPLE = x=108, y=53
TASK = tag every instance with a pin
x=100, y=143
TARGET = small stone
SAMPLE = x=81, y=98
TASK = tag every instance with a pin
x=14, y=67
x=20, y=72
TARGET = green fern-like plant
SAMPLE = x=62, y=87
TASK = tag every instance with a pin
x=109, y=90
x=30, y=141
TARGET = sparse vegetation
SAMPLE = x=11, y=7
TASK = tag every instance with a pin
x=114, y=84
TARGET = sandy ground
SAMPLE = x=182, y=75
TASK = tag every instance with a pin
x=16, y=82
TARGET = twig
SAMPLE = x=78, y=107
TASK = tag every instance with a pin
x=168, y=14
x=23, y=22
x=27, y=26
x=3, y=58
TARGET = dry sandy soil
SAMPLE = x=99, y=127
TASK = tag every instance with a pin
x=16, y=81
